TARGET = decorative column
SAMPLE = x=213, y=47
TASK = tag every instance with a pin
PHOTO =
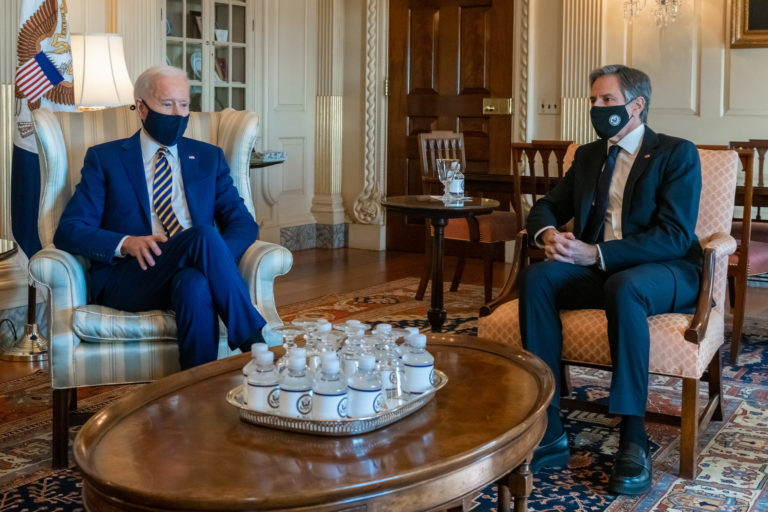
x=582, y=52
x=327, y=205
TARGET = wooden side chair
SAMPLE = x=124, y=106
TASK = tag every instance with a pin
x=751, y=256
x=537, y=167
x=477, y=234
x=682, y=345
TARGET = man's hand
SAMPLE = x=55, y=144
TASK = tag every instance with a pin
x=563, y=246
x=142, y=248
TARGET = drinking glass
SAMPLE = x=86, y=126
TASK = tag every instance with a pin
x=446, y=170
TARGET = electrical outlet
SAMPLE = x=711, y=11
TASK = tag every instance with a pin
x=549, y=107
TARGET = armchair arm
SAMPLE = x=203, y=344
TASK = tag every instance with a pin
x=63, y=276
x=260, y=265
x=511, y=287
x=719, y=245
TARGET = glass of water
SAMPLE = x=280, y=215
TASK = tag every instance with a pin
x=446, y=170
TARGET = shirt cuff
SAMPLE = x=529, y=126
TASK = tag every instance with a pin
x=600, y=262
x=538, y=233
x=120, y=246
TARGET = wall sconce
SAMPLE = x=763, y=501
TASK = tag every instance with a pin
x=100, y=76
x=664, y=11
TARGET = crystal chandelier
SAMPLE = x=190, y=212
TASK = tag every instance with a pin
x=664, y=11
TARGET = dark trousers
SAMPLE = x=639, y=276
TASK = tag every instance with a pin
x=196, y=276
x=628, y=298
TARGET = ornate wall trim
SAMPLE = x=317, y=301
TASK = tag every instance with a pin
x=367, y=208
x=521, y=54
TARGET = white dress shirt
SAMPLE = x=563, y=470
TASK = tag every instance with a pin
x=630, y=146
x=178, y=202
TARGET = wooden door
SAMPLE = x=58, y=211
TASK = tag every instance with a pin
x=445, y=56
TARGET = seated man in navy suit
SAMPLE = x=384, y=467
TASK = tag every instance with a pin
x=144, y=213
x=634, y=197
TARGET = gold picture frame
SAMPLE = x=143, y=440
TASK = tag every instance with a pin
x=749, y=24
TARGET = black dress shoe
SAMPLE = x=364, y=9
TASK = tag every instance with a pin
x=632, y=470
x=551, y=455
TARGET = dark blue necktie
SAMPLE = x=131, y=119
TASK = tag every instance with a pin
x=593, y=228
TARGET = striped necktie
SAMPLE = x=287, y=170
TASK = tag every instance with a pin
x=162, y=190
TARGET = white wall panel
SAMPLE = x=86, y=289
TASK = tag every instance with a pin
x=747, y=84
x=674, y=73
x=285, y=58
x=292, y=55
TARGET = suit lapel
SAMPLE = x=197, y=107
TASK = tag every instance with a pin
x=643, y=159
x=190, y=175
x=594, y=166
x=133, y=164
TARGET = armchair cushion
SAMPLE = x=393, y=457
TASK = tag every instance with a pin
x=493, y=227
x=585, y=339
x=100, y=324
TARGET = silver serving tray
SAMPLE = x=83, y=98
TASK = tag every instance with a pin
x=342, y=427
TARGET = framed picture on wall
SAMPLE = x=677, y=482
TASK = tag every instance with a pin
x=749, y=24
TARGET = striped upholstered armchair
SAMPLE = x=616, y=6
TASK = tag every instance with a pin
x=95, y=345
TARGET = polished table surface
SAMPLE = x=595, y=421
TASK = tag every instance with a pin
x=438, y=213
x=176, y=444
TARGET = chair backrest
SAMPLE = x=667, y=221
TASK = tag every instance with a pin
x=761, y=185
x=754, y=190
x=537, y=167
x=718, y=182
x=64, y=137
x=433, y=146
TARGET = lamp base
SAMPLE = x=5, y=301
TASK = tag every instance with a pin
x=31, y=346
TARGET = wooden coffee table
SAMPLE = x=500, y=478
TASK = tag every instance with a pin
x=176, y=444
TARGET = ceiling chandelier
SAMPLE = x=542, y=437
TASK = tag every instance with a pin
x=664, y=11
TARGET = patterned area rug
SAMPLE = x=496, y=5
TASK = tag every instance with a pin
x=733, y=464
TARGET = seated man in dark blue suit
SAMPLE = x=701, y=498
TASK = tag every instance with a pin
x=144, y=213
x=634, y=197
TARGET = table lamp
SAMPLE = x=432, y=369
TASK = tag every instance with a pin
x=100, y=76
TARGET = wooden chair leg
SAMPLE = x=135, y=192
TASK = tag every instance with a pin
x=731, y=291
x=488, y=272
x=716, y=387
x=62, y=399
x=427, y=271
x=689, y=428
x=738, y=317
x=460, y=263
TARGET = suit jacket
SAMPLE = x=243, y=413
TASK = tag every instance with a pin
x=112, y=201
x=659, y=209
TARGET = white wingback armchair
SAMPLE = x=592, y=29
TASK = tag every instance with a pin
x=95, y=345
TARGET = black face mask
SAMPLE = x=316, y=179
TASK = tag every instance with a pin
x=164, y=128
x=608, y=121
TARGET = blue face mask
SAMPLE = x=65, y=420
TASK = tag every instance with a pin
x=164, y=128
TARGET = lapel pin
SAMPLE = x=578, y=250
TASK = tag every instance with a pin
x=647, y=156
x=192, y=157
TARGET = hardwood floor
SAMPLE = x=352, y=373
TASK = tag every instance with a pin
x=318, y=272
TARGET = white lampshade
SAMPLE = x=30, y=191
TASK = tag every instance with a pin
x=98, y=67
